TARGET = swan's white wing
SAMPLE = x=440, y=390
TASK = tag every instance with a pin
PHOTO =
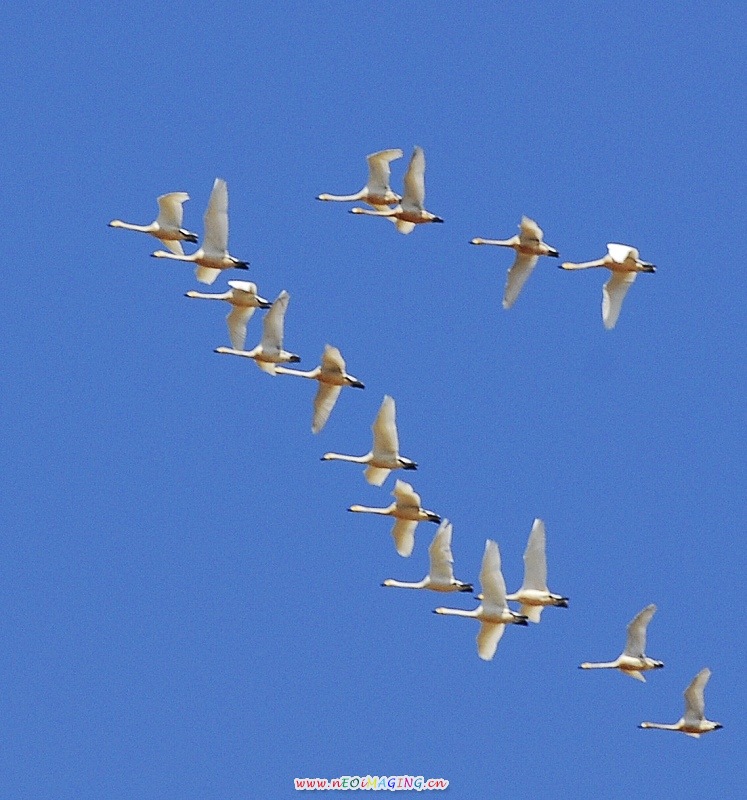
x=694, y=699
x=272, y=324
x=385, y=441
x=170, y=211
x=415, y=181
x=635, y=646
x=613, y=294
x=518, y=275
x=403, y=226
x=532, y=613
x=535, y=562
x=332, y=361
x=206, y=274
x=174, y=245
x=488, y=638
x=379, y=170
x=530, y=233
x=237, y=320
x=440, y=555
x=376, y=475
x=216, y=220
x=244, y=289
x=621, y=252
x=491, y=577
x=405, y=495
x=324, y=402
x=404, y=536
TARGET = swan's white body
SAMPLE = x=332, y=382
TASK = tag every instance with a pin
x=376, y=192
x=493, y=613
x=407, y=511
x=213, y=256
x=624, y=263
x=269, y=351
x=384, y=456
x=411, y=209
x=693, y=723
x=167, y=227
x=332, y=377
x=244, y=298
x=440, y=577
x=534, y=594
x=529, y=247
x=632, y=661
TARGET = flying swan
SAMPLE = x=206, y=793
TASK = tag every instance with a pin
x=376, y=192
x=167, y=226
x=693, y=723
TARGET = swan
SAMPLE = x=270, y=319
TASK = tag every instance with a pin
x=440, y=577
x=384, y=456
x=332, y=377
x=407, y=511
x=632, y=661
x=529, y=247
x=244, y=298
x=168, y=224
x=410, y=211
x=693, y=723
x=493, y=613
x=269, y=351
x=376, y=192
x=624, y=263
x=213, y=256
x=534, y=594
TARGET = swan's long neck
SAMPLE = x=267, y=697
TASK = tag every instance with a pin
x=203, y=296
x=344, y=197
x=583, y=264
x=297, y=372
x=230, y=351
x=339, y=457
x=385, y=512
x=599, y=665
x=404, y=585
x=456, y=612
x=499, y=242
x=173, y=256
x=117, y=223
x=368, y=212
x=660, y=726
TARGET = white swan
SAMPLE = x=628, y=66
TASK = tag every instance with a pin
x=493, y=613
x=534, y=594
x=167, y=226
x=269, y=351
x=440, y=577
x=213, y=256
x=332, y=377
x=407, y=511
x=384, y=456
x=411, y=210
x=693, y=723
x=632, y=661
x=624, y=263
x=376, y=192
x=244, y=298
x=529, y=247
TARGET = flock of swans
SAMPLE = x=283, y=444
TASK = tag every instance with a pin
x=407, y=211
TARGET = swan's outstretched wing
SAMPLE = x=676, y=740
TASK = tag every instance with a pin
x=530, y=233
x=215, y=241
x=385, y=441
x=332, y=361
x=170, y=211
x=272, y=324
x=439, y=553
x=174, y=245
x=535, y=561
x=237, y=320
x=403, y=226
x=518, y=275
x=491, y=577
x=206, y=274
x=405, y=495
x=694, y=699
x=376, y=475
x=488, y=638
x=404, y=536
x=622, y=252
x=635, y=645
x=324, y=402
x=379, y=170
x=613, y=294
x=414, y=197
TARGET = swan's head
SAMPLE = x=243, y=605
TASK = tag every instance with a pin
x=405, y=463
x=116, y=223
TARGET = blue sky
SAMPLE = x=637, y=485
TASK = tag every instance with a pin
x=187, y=609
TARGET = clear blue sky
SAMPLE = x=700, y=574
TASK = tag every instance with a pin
x=186, y=608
